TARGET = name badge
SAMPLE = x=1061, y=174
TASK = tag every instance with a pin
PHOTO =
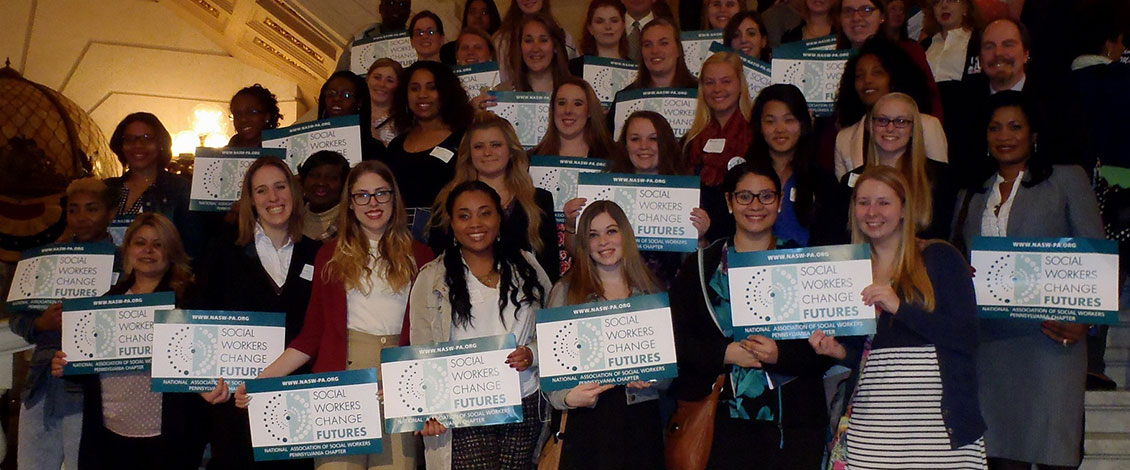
x=714, y=146
x=307, y=273
x=792, y=194
x=442, y=154
x=852, y=177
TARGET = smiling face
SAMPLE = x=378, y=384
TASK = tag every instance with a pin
x=754, y=218
x=530, y=7
x=145, y=253
x=871, y=80
x=139, y=144
x=660, y=50
x=248, y=117
x=1003, y=55
x=426, y=38
x=606, y=27
x=857, y=23
x=721, y=88
x=950, y=15
x=423, y=97
x=878, y=211
x=475, y=221
x=570, y=111
x=1010, y=136
x=605, y=241
x=885, y=122
x=322, y=187
x=537, y=47
x=643, y=145
x=719, y=12
x=271, y=197
x=373, y=216
x=750, y=40
x=780, y=128
x=478, y=15
x=341, y=97
x=87, y=216
x=382, y=81
x=896, y=14
x=490, y=153
x=472, y=49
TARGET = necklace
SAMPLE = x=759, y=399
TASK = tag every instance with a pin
x=489, y=279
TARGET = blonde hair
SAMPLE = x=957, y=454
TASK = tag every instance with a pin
x=517, y=177
x=96, y=187
x=352, y=260
x=582, y=278
x=248, y=217
x=179, y=275
x=703, y=115
x=909, y=277
x=911, y=164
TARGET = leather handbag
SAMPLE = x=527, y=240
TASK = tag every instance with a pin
x=550, y=458
x=691, y=431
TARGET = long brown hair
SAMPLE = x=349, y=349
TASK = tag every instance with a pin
x=588, y=42
x=912, y=164
x=683, y=76
x=559, y=68
x=596, y=131
x=179, y=276
x=517, y=177
x=909, y=277
x=582, y=278
x=352, y=260
x=248, y=216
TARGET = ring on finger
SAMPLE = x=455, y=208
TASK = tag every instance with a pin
x=1065, y=342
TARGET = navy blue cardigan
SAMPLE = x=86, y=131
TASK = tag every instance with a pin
x=952, y=329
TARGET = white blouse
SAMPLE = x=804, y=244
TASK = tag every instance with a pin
x=947, y=56
x=994, y=222
x=380, y=311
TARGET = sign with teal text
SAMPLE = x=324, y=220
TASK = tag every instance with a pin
x=396, y=46
x=1064, y=279
x=51, y=273
x=459, y=383
x=813, y=69
x=339, y=134
x=112, y=333
x=791, y=293
x=315, y=415
x=478, y=77
x=758, y=73
x=658, y=206
x=696, y=47
x=193, y=349
x=608, y=342
x=558, y=175
x=675, y=104
x=608, y=76
x=217, y=175
x=527, y=111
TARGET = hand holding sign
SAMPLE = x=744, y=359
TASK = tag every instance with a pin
x=882, y=296
x=51, y=319
x=585, y=395
x=825, y=345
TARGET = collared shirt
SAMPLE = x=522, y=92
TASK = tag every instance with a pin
x=379, y=310
x=1019, y=86
x=275, y=261
x=947, y=56
x=630, y=20
x=1088, y=60
x=994, y=222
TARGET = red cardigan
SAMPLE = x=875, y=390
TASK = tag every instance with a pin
x=323, y=336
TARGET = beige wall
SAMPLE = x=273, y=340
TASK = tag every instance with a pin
x=114, y=57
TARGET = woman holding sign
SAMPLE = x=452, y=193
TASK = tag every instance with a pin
x=382, y=80
x=926, y=310
x=607, y=427
x=359, y=303
x=483, y=285
x=578, y=124
x=1027, y=196
x=347, y=94
x=492, y=154
x=508, y=38
x=720, y=131
x=253, y=110
x=663, y=64
x=772, y=407
x=747, y=34
x=540, y=62
x=124, y=425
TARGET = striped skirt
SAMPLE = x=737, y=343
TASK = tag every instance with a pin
x=896, y=420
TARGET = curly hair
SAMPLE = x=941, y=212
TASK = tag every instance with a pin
x=160, y=133
x=519, y=282
x=906, y=77
x=454, y=106
x=362, y=89
x=266, y=99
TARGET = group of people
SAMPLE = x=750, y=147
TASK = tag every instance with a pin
x=931, y=145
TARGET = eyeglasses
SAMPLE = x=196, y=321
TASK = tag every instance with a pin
x=362, y=198
x=765, y=197
x=143, y=139
x=850, y=12
x=424, y=32
x=900, y=123
x=345, y=94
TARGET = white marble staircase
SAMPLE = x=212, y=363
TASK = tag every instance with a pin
x=1107, y=440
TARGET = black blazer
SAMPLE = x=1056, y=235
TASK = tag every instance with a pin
x=232, y=278
x=701, y=349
